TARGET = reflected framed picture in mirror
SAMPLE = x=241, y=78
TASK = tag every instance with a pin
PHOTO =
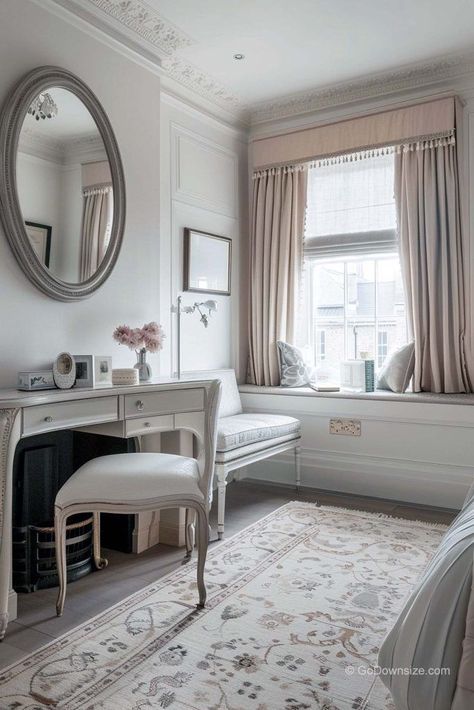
x=40, y=238
x=207, y=262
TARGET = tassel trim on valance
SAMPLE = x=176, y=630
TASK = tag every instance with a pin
x=420, y=143
x=103, y=189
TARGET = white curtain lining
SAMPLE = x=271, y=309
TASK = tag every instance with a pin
x=420, y=143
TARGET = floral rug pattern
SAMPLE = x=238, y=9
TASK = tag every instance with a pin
x=298, y=604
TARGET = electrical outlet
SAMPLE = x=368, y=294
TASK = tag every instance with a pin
x=344, y=427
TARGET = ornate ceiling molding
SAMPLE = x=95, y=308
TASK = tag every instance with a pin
x=139, y=17
x=380, y=84
x=205, y=85
x=64, y=151
x=136, y=24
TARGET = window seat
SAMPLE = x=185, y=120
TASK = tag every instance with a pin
x=380, y=395
x=404, y=450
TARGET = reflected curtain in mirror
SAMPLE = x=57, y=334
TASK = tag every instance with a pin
x=96, y=228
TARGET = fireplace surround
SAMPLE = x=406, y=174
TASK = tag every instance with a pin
x=42, y=464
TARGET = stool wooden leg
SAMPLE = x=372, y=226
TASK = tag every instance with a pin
x=60, y=539
x=298, y=468
x=189, y=533
x=100, y=562
x=202, y=544
x=221, y=486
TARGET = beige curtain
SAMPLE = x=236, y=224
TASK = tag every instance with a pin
x=429, y=222
x=276, y=247
x=96, y=224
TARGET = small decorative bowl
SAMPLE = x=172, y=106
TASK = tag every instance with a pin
x=125, y=376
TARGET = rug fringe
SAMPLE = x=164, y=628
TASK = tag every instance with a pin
x=367, y=513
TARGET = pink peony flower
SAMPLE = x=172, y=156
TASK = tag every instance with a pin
x=122, y=335
x=151, y=329
x=137, y=340
x=150, y=337
x=153, y=337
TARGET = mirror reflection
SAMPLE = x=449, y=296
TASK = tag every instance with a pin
x=64, y=185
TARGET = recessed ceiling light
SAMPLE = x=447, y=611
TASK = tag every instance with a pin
x=239, y=56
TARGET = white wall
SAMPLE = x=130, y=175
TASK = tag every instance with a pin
x=407, y=451
x=203, y=186
x=34, y=327
x=39, y=183
x=71, y=221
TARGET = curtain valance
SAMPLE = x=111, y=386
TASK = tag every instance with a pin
x=420, y=124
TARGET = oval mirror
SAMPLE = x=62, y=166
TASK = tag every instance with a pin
x=62, y=196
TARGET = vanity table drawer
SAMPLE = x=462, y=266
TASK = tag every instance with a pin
x=149, y=425
x=166, y=402
x=67, y=415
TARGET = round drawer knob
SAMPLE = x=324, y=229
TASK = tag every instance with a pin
x=140, y=406
x=48, y=419
x=147, y=424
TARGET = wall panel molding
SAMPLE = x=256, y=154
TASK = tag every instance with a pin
x=195, y=160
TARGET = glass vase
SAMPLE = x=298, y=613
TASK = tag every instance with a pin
x=144, y=368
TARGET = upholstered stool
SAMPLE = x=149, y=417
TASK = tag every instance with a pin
x=140, y=482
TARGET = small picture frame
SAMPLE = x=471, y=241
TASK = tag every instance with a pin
x=102, y=370
x=40, y=240
x=84, y=370
x=207, y=262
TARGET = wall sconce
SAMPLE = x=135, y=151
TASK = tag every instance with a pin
x=201, y=308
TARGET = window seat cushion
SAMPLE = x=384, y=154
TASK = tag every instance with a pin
x=243, y=429
x=424, y=397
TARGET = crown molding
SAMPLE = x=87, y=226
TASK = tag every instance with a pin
x=63, y=152
x=193, y=78
x=381, y=84
x=136, y=26
x=134, y=20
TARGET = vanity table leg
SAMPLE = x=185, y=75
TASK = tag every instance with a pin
x=9, y=437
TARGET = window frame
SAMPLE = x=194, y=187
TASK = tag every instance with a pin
x=315, y=326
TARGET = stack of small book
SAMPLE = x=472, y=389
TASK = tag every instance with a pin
x=324, y=387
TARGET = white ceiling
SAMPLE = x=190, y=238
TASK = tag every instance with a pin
x=300, y=55
x=296, y=45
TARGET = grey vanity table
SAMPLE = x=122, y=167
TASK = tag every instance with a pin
x=161, y=406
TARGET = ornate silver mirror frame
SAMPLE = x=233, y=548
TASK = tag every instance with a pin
x=11, y=120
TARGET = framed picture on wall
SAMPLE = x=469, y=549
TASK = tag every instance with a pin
x=40, y=238
x=207, y=262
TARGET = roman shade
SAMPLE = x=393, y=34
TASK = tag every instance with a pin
x=394, y=127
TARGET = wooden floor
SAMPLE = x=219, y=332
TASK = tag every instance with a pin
x=247, y=502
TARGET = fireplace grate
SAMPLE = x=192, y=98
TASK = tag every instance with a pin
x=34, y=554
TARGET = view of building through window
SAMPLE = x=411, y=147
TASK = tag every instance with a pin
x=354, y=303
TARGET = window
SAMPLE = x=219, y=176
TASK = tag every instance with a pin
x=321, y=349
x=382, y=346
x=354, y=301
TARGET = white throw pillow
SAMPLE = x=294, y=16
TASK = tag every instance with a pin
x=397, y=370
x=294, y=372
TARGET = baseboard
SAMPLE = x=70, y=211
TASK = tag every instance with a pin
x=146, y=532
x=421, y=482
x=173, y=534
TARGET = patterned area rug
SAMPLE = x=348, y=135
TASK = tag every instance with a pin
x=298, y=606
